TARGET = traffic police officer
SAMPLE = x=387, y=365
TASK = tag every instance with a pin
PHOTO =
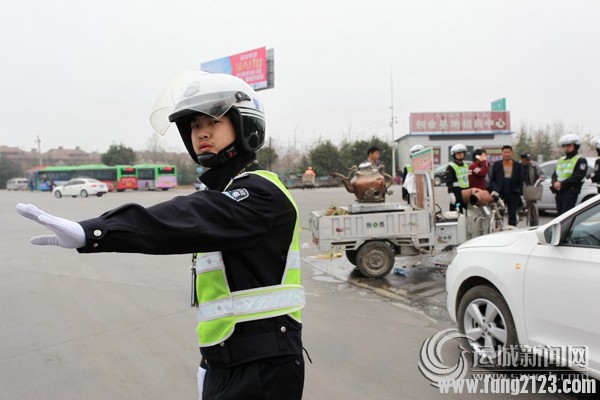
x=596, y=175
x=243, y=233
x=457, y=175
x=407, y=172
x=569, y=174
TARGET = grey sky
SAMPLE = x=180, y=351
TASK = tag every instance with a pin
x=86, y=73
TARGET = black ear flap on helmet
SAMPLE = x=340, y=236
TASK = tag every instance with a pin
x=254, y=133
x=249, y=130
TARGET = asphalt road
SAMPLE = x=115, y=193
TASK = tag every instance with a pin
x=118, y=326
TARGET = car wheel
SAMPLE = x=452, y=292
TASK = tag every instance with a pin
x=57, y=194
x=99, y=194
x=83, y=193
x=351, y=256
x=586, y=199
x=485, y=318
x=375, y=259
x=437, y=181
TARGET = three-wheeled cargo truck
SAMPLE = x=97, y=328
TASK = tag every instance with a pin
x=377, y=236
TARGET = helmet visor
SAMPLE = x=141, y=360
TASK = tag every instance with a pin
x=193, y=91
x=215, y=105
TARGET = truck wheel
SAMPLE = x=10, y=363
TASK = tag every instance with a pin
x=375, y=259
x=351, y=256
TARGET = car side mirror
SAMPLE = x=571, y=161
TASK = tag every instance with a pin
x=548, y=234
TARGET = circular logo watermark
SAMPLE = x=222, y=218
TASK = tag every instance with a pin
x=431, y=363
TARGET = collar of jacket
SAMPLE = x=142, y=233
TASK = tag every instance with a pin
x=218, y=177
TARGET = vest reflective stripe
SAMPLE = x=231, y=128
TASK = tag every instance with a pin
x=462, y=175
x=565, y=168
x=248, y=302
x=219, y=309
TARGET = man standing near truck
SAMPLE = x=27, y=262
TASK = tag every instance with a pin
x=507, y=182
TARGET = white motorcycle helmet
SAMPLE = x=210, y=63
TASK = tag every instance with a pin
x=215, y=95
x=415, y=149
x=569, y=138
x=458, y=148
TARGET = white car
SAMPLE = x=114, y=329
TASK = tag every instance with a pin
x=81, y=187
x=536, y=287
x=548, y=203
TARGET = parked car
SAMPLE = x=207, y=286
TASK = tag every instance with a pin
x=16, y=184
x=548, y=203
x=534, y=287
x=439, y=174
x=81, y=187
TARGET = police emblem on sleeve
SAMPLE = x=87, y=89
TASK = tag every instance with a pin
x=237, y=194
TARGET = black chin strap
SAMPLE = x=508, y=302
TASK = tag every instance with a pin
x=212, y=160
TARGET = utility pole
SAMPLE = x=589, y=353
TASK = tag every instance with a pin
x=392, y=122
x=39, y=148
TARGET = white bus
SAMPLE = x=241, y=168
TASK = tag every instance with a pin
x=16, y=184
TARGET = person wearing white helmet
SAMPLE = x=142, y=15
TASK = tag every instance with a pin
x=507, y=182
x=242, y=233
x=407, y=173
x=569, y=174
x=596, y=175
x=457, y=175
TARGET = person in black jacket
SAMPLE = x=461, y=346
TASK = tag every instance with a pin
x=242, y=232
x=569, y=174
x=507, y=182
x=457, y=177
x=596, y=175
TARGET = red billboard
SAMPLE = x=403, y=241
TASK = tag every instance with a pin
x=251, y=66
x=460, y=122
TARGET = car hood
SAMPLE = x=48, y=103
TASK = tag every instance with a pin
x=498, y=239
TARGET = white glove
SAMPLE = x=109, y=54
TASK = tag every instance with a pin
x=495, y=194
x=68, y=234
x=452, y=198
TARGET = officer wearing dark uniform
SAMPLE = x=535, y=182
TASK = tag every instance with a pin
x=242, y=232
x=457, y=177
x=570, y=172
x=596, y=175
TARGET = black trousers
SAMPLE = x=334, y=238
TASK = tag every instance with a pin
x=512, y=203
x=276, y=378
x=565, y=200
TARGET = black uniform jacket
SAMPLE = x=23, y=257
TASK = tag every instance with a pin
x=451, y=178
x=575, y=181
x=252, y=224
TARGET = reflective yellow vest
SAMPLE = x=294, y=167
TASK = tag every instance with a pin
x=462, y=175
x=219, y=309
x=565, y=168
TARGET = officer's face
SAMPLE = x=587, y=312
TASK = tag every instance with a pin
x=569, y=148
x=211, y=135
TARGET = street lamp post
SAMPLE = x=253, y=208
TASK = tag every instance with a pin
x=393, y=121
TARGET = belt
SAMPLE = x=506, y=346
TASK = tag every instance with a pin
x=242, y=350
